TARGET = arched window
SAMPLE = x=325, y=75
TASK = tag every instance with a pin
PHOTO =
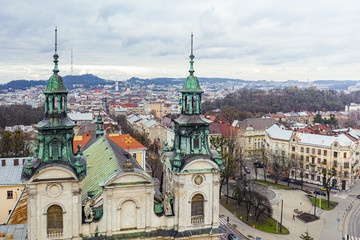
x=194, y=103
x=55, y=221
x=197, y=208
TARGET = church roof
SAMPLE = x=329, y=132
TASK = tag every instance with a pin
x=51, y=123
x=55, y=85
x=192, y=119
x=18, y=232
x=192, y=85
x=19, y=213
x=104, y=158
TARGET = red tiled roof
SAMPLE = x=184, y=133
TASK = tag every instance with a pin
x=128, y=105
x=82, y=140
x=125, y=141
x=211, y=118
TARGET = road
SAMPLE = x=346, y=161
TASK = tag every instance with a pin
x=352, y=220
x=230, y=229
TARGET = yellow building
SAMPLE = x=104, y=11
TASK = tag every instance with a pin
x=310, y=153
x=253, y=131
x=160, y=109
x=10, y=185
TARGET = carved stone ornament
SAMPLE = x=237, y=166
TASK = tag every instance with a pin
x=54, y=189
x=88, y=209
x=167, y=204
x=30, y=192
x=77, y=192
x=198, y=180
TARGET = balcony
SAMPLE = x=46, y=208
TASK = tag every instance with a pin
x=54, y=233
x=197, y=220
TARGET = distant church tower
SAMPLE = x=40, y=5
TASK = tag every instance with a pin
x=53, y=175
x=191, y=170
x=116, y=86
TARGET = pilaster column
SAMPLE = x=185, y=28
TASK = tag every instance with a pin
x=59, y=104
x=51, y=104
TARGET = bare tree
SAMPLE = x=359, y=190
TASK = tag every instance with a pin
x=277, y=165
x=231, y=150
x=329, y=180
x=249, y=194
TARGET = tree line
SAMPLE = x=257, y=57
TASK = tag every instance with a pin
x=249, y=102
x=20, y=115
x=12, y=144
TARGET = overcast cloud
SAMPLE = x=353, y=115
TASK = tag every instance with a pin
x=254, y=39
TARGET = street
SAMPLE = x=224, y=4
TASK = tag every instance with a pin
x=352, y=220
x=230, y=229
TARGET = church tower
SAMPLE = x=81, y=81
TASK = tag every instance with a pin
x=191, y=169
x=53, y=175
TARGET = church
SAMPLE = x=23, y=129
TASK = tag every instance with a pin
x=101, y=191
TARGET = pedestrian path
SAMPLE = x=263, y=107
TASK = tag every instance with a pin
x=347, y=237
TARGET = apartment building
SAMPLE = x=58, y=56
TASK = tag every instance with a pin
x=253, y=132
x=310, y=153
x=10, y=185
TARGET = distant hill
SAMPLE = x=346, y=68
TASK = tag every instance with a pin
x=175, y=81
x=22, y=84
x=337, y=84
x=91, y=81
x=87, y=80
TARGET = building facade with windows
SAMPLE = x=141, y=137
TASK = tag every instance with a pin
x=253, y=132
x=103, y=190
x=11, y=186
x=310, y=153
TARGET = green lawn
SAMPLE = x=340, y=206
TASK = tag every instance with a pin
x=324, y=203
x=265, y=223
x=273, y=184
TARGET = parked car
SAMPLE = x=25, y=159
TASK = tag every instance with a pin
x=285, y=179
x=296, y=182
x=258, y=164
x=246, y=168
x=319, y=192
x=232, y=237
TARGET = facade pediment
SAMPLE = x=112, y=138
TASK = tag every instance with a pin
x=129, y=178
x=200, y=164
x=53, y=173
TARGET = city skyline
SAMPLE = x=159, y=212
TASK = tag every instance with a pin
x=250, y=40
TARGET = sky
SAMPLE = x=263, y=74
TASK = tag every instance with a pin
x=275, y=40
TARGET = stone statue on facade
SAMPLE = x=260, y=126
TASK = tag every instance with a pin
x=167, y=204
x=88, y=209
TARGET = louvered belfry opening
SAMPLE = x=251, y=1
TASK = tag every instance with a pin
x=54, y=221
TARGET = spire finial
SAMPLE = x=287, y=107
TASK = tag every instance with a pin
x=56, y=56
x=192, y=44
x=192, y=55
x=56, y=40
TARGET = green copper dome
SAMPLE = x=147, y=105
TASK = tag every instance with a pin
x=192, y=83
x=55, y=83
